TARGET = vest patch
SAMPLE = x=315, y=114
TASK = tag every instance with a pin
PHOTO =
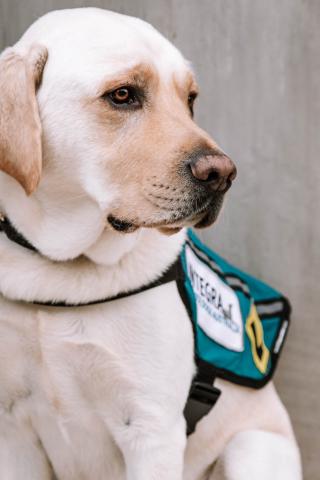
x=254, y=329
x=218, y=309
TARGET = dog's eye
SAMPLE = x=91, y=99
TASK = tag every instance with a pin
x=124, y=96
x=191, y=98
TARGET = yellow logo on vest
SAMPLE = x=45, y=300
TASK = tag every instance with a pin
x=254, y=329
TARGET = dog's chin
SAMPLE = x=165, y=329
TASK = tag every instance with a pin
x=124, y=226
x=208, y=219
x=202, y=219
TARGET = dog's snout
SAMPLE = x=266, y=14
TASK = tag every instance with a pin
x=217, y=171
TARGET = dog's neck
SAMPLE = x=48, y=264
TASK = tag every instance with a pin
x=81, y=258
x=116, y=263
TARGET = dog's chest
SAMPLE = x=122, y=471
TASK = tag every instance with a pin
x=106, y=369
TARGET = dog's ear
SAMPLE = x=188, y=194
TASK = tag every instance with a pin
x=20, y=127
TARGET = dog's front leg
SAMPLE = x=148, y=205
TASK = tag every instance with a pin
x=21, y=455
x=152, y=452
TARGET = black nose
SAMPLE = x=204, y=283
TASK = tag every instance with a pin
x=216, y=171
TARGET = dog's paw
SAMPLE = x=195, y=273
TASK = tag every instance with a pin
x=258, y=454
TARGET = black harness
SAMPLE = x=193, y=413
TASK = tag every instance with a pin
x=203, y=395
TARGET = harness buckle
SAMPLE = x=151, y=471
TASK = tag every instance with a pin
x=202, y=398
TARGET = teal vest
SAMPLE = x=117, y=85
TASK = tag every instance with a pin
x=239, y=322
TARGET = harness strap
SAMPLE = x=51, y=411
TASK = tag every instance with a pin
x=169, y=276
x=203, y=395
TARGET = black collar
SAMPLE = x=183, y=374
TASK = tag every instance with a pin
x=13, y=235
x=174, y=272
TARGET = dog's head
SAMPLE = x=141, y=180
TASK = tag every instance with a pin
x=108, y=117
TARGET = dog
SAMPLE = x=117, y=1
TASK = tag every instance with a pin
x=102, y=168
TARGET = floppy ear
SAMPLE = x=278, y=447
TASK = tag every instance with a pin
x=20, y=127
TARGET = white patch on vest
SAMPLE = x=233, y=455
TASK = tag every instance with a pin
x=218, y=309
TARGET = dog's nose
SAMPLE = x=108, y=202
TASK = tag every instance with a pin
x=216, y=171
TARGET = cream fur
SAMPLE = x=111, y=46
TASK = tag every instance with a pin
x=98, y=392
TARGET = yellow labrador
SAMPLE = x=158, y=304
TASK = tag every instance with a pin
x=102, y=167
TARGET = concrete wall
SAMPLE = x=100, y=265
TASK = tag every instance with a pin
x=258, y=66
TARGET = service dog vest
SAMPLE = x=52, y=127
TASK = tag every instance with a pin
x=239, y=325
x=239, y=322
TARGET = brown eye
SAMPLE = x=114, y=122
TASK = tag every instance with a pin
x=121, y=95
x=124, y=97
x=191, y=99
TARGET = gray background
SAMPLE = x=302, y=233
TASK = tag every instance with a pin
x=258, y=66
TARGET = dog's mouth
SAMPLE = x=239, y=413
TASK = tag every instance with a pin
x=201, y=217
x=123, y=226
